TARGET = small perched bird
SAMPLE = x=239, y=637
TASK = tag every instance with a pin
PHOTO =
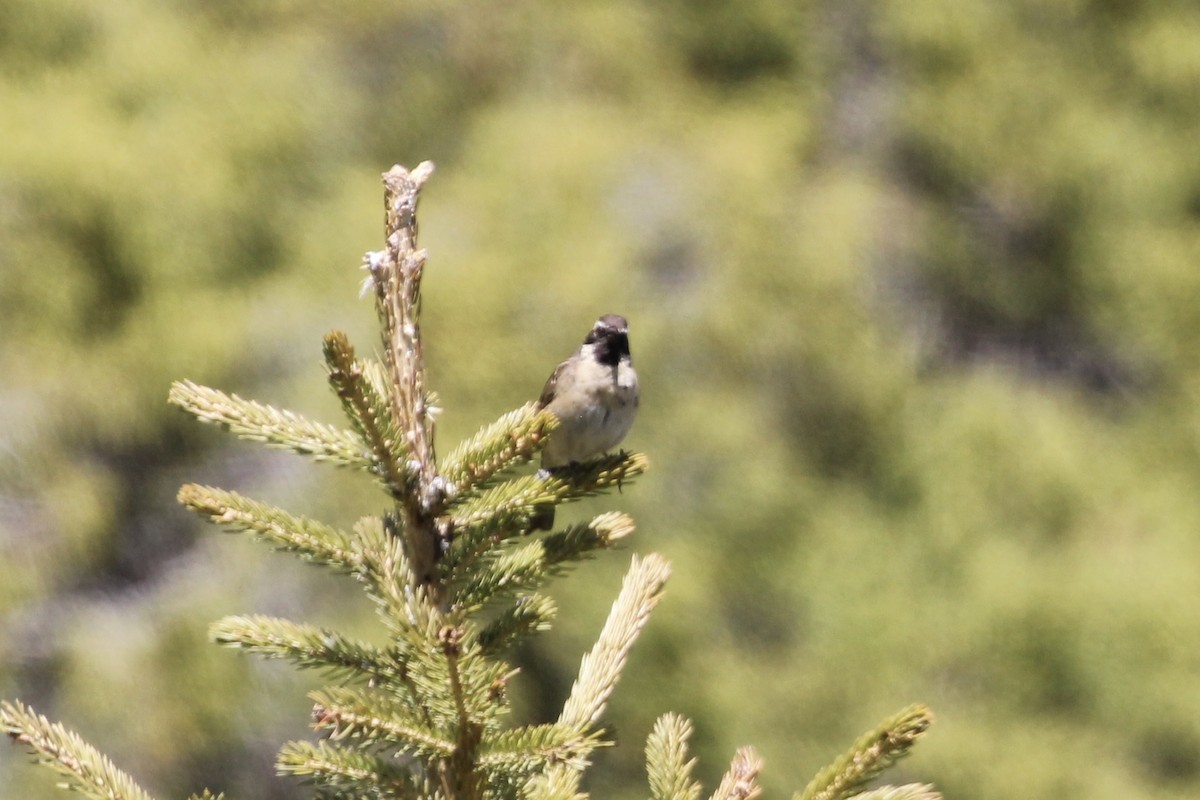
x=594, y=394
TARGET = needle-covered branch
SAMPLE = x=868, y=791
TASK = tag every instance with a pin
x=388, y=577
x=528, y=615
x=874, y=752
x=307, y=538
x=740, y=781
x=518, y=499
x=277, y=427
x=536, y=747
x=396, y=273
x=601, y=668
x=909, y=791
x=307, y=646
x=510, y=441
x=370, y=412
x=373, y=719
x=667, y=763
x=332, y=765
x=82, y=766
x=507, y=571
x=560, y=782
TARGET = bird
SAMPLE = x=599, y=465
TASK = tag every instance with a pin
x=594, y=396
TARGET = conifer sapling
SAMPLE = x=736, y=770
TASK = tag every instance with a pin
x=454, y=570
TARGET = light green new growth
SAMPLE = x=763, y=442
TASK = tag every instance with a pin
x=273, y=426
x=311, y=540
x=909, y=791
x=529, y=614
x=337, y=766
x=667, y=763
x=368, y=411
x=308, y=646
x=600, y=669
x=372, y=717
x=85, y=769
x=454, y=569
x=557, y=783
x=508, y=442
x=740, y=781
x=537, y=747
x=874, y=752
x=670, y=771
x=507, y=571
x=518, y=497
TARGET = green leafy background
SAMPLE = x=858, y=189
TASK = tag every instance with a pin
x=915, y=298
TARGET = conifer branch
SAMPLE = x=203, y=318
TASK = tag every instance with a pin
x=667, y=766
x=421, y=677
x=593, y=477
x=528, y=615
x=536, y=747
x=86, y=770
x=560, y=782
x=487, y=520
x=396, y=273
x=874, y=751
x=372, y=719
x=509, y=571
x=740, y=782
x=311, y=540
x=369, y=412
x=385, y=569
x=521, y=495
x=909, y=791
x=600, y=669
x=511, y=440
x=581, y=540
x=504, y=506
x=276, y=427
x=308, y=646
x=477, y=677
x=487, y=535
x=469, y=731
x=421, y=684
x=329, y=764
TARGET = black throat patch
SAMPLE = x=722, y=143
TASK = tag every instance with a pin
x=611, y=348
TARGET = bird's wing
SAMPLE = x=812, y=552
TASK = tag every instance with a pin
x=559, y=379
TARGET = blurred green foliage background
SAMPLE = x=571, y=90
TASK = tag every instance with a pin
x=915, y=298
